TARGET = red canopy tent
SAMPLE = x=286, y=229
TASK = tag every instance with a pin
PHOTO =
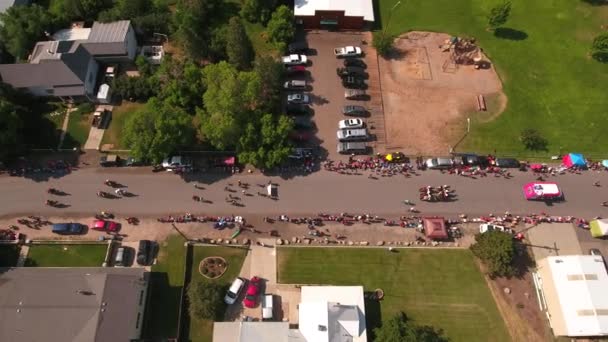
x=434, y=228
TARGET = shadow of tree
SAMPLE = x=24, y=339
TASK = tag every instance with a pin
x=373, y=316
x=596, y=2
x=510, y=34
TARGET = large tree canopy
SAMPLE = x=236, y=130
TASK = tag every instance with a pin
x=78, y=9
x=271, y=72
x=266, y=144
x=193, y=24
x=281, y=27
x=157, y=130
x=22, y=26
x=10, y=128
x=257, y=10
x=400, y=329
x=181, y=83
x=497, y=250
x=238, y=46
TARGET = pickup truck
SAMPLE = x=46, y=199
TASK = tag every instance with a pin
x=347, y=51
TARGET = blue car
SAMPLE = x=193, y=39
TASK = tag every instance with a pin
x=68, y=228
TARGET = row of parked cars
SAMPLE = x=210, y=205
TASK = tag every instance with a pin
x=252, y=295
x=470, y=159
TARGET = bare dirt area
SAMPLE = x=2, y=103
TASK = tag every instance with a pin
x=426, y=95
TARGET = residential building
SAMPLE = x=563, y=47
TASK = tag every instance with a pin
x=67, y=66
x=334, y=14
x=6, y=4
x=572, y=292
x=326, y=314
x=72, y=304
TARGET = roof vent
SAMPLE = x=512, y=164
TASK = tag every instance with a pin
x=322, y=328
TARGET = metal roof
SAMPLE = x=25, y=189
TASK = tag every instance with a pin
x=69, y=304
x=351, y=8
x=113, y=32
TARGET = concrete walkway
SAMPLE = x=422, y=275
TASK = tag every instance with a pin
x=23, y=255
x=94, y=139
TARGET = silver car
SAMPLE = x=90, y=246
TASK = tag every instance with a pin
x=298, y=98
x=439, y=163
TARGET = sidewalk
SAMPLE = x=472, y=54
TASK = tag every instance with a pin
x=23, y=255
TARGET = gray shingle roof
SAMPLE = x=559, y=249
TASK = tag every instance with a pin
x=65, y=304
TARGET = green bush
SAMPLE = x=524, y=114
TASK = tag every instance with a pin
x=533, y=140
x=499, y=14
x=599, y=48
x=383, y=43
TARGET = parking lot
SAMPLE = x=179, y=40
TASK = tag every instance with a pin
x=327, y=93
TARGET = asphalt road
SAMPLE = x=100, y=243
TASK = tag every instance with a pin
x=164, y=193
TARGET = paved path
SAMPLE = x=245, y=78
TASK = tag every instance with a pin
x=94, y=139
x=23, y=252
x=163, y=193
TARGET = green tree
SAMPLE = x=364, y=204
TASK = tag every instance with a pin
x=22, y=26
x=266, y=144
x=134, y=88
x=496, y=250
x=181, y=83
x=533, y=140
x=257, y=10
x=238, y=45
x=599, y=48
x=399, y=328
x=281, y=27
x=10, y=128
x=78, y=9
x=193, y=21
x=205, y=300
x=127, y=9
x=271, y=73
x=383, y=42
x=157, y=130
x=499, y=14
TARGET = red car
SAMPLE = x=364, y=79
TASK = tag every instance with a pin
x=299, y=136
x=253, y=292
x=105, y=225
x=295, y=69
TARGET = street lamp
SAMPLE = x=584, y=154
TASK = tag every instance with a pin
x=390, y=14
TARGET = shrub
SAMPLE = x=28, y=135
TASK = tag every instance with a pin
x=383, y=43
x=532, y=140
x=599, y=48
x=499, y=14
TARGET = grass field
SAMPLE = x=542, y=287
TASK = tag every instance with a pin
x=438, y=287
x=120, y=114
x=167, y=280
x=541, y=56
x=202, y=330
x=55, y=255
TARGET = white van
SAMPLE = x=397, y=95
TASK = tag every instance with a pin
x=359, y=134
x=267, y=305
x=120, y=259
x=234, y=291
x=352, y=147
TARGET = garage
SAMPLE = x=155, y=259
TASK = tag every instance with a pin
x=334, y=14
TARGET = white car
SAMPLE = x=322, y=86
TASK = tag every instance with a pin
x=267, y=307
x=234, y=291
x=347, y=51
x=295, y=60
x=175, y=162
x=486, y=227
x=350, y=123
x=298, y=98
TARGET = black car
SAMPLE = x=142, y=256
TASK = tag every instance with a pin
x=298, y=47
x=506, y=162
x=297, y=109
x=353, y=82
x=303, y=123
x=351, y=71
x=145, y=252
x=471, y=159
x=354, y=62
x=68, y=228
x=354, y=110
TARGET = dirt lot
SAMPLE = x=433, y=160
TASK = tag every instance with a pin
x=425, y=99
x=328, y=93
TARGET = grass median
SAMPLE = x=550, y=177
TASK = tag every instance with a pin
x=439, y=287
x=58, y=255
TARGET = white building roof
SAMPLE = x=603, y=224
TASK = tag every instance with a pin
x=351, y=8
x=575, y=294
x=250, y=331
x=332, y=314
x=75, y=33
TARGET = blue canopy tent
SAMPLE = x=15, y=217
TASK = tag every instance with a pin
x=574, y=159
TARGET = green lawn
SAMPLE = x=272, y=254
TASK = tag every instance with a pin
x=9, y=254
x=119, y=116
x=202, y=330
x=57, y=255
x=551, y=83
x=78, y=130
x=438, y=287
x=167, y=280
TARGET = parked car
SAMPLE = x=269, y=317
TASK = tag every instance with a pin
x=100, y=118
x=351, y=71
x=176, y=162
x=486, y=227
x=71, y=228
x=300, y=136
x=295, y=85
x=354, y=62
x=267, y=307
x=359, y=134
x=354, y=110
x=295, y=59
x=145, y=252
x=132, y=161
x=109, y=160
x=233, y=292
x=354, y=83
x=471, y=159
x=303, y=123
x=105, y=226
x=297, y=109
x=351, y=123
x=123, y=257
x=301, y=153
x=439, y=163
x=298, y=47
x=298, y=98
x=347, y=51
x=506, y=162
x=295, y=69
x=355, y=94
x=253, y=292
x=352, y=147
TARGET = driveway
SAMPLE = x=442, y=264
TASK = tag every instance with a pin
x=328, y=92
x=94, y=139
x=551, y=239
